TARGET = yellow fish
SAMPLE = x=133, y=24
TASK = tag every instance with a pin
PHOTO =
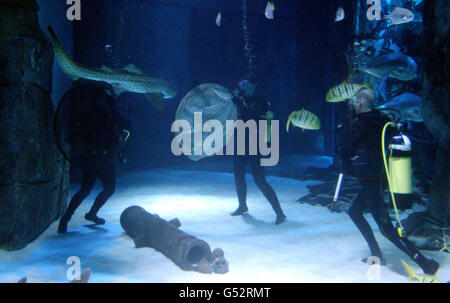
x=303, y=119
x=421, y=278
x=345, y=91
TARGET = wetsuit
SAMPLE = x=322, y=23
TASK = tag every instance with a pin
x=252, y=108
x=102, y=139
x=363, y=158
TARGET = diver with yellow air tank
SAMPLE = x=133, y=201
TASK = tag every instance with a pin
x=362, y=157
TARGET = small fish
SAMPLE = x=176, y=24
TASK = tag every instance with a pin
x=421, y=278
x=219, y=19
x=340, y=14
x=400, y=15
x=345, y=91
x=269, y=10
x=303, y=119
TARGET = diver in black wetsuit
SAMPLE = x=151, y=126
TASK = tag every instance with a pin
x=361, y=155
x=100, y=131
x=251, y=106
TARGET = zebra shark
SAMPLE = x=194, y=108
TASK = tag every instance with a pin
x=130, y=78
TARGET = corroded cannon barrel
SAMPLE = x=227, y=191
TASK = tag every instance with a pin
x=148, y=230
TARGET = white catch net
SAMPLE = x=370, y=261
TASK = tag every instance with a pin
x=215, y=102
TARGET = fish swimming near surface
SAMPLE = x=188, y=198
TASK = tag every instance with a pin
x=391, y=65
x=400, y=15
x=340, y=14
x=130, y=78
x=219, y=19
x=409, y=105
x=421, y=278
x=345, y=91
x=270, y=8
x=303, y=119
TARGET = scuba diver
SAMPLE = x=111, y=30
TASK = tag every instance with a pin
x=96, y=131
x=361, y=156
x=252, y=107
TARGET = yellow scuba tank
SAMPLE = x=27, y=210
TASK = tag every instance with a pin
x=400, y=171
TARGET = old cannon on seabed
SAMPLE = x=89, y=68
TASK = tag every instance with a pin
x=186, y=251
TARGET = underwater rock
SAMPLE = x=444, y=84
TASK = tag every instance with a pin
x=316, y=173
x=220, y=266
x=322, y=194
x=425, y=233
x=148, y=230
x=339, y=207
x=33, y=174
x=26, y=61
x=436, y=108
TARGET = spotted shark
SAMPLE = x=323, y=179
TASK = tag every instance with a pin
x=130, y=78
